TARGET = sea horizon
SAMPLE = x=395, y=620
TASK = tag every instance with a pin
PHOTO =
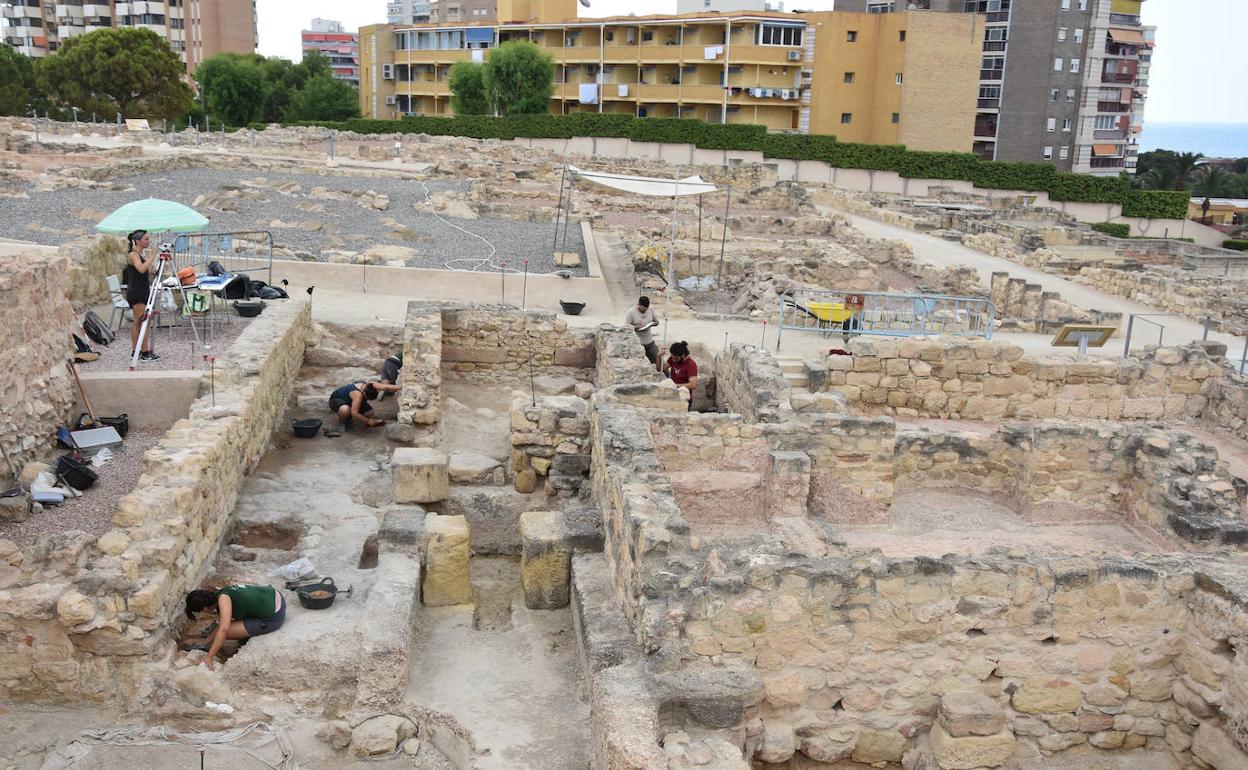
x=1216, y=140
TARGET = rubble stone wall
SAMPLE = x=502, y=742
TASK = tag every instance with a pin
x=37, y=318
x=1034, y=309
x=1193, y=296
x=79, y=615
x=552, y=438
x=420, y=400
x=620, y=358
x=1226, y=404
x=989, y=380
x=750, y=383
x=498, y=340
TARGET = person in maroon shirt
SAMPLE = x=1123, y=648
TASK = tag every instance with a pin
x=682, y=369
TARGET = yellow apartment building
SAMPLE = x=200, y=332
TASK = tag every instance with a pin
x=900, y=78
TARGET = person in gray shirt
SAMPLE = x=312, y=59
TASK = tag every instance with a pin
x=641, y=317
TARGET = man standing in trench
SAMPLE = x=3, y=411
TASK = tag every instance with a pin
x=641, y=317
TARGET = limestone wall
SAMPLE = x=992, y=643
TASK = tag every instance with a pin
x=749, y=382
x=37, y=319
x=420, y=400
x=620, y=358
x=79, y=615
x=550, y=438
x=1033, y=309
x=989, y=380
x=500, y=341
x=1226, y=404
x=1191, y=295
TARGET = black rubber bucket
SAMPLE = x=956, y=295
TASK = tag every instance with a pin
x=572, y=308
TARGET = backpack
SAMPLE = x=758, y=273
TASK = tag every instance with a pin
x=96, y=329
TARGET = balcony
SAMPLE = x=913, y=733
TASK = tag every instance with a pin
x=1112, y=107
x=995, y=45
x=997, y=16
x=22, y=12
x=986, y=130
x=1109, y=135
x=1107, y=163
x=988, y=104
x=1118, y=77
x=1124, y=18
x=991, y=74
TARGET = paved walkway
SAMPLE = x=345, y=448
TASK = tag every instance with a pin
x=937, y=251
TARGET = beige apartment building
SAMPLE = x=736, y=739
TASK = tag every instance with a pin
x=901, y=78
x=195, y=29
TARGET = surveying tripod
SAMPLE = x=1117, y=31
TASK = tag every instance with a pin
x=163, y=257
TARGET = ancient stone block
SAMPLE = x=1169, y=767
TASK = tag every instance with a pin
x=474, y=468
x=971, y=751
x=1215, y=748
x=968, y=712
x=546, y=560
x=446, y=561
x=381, y=735
x=420, y=475
x=879, y=746
x=526, y=481
x=1047, y=696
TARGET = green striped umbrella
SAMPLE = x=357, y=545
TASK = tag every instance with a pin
x=155, y=215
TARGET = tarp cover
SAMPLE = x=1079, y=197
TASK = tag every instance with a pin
x=1128, y=36
x=1105, y=150
x=647, y=185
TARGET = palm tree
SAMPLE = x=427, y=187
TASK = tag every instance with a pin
x=1159, y=178
x=1184, y=165
x=1211, y=181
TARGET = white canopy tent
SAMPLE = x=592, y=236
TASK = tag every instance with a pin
x=655, y=187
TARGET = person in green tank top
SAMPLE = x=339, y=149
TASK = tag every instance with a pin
x=242, y=610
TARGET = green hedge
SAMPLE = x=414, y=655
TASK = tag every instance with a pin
x=913, y=164
x=1156, y=204
x=1116, y=229
x=1235, y=244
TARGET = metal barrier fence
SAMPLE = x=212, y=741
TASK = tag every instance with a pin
x=1133, y=334
x=884, y=314
x=249, y=251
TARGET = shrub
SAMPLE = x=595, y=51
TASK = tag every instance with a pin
x=872, y=157
x=798, y=146
x=1156, y=204
x=999, y=175
x=1236, y=244
x=1084, y=188
x=938, y=165
x=1116, y=229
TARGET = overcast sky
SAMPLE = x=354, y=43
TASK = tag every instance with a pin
x=1195, y=68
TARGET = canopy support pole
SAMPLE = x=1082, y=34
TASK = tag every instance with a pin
x=563, y=244
x=554, y=244
x=671, y=269
x=722, y=241
x=699, y=271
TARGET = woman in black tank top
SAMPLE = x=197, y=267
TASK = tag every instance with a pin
x=138, y=287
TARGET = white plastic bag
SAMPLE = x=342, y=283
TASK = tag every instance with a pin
x=299, y=568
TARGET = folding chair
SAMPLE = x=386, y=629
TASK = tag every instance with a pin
x=117, y=295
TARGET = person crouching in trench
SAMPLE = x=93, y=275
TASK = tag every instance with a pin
x=242, y=611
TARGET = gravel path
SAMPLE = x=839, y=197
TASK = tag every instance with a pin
x=306, y=225
x=93, y=512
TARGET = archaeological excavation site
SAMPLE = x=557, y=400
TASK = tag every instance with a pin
x=957, y=482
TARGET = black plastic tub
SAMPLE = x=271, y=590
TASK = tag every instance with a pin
x=572, y=308
x=249, y=308
x=306, y=428
x=77, y=474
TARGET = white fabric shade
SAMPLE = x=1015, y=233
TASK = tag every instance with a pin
x=647, y=185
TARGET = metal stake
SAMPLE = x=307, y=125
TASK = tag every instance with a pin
x=524, y=288
x=563, y=244
x=1208, y=321
x=554, y=244
x=719, y=286
x=699, y=270
x=762, y=343
x=502, y=281
x=1126, y=349
x=212, y=377
x=532, y=387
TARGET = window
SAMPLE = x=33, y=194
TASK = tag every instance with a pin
x=1061, y=34
x=849, y=77
x=1074, y=65
x=1070, y=95
x=847, y=118
x=1057, y=64
x=1053, y=92
x=647, y=35
x=1063, y=152
x=1106, y=122
x=990, y=92
x=1079, y=35
x=780, y=34
x=1048, y=153
x=901, y=36
x=1051, y=126
x=899, y=78
x=851, y=36
x=1065, y=5
x=1083, y=5
x=886, y=7
x=1066, y=124
x=896, y=118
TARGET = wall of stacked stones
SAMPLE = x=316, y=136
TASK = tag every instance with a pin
x=620, y=359
x=990, y=380
x=1190, y=295
x=496, y=341
x=550, y=434
x=36, y=317
x=1226, y=404
x=79, y=615
x=749, y=382
x=1034, y=309
x=853, y=656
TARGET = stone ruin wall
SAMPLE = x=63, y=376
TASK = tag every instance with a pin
x=492, y=343
x=989, y=380
x=79, y=615
x=39, y=391
x=1189, y=295
x=750, y=383
x=1035, y=310
x=848, y=658
x=551, y=437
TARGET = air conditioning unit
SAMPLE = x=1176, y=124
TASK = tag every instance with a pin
x=795, y=55
x=756, y=92
x=390, y=100
x=387, y=72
